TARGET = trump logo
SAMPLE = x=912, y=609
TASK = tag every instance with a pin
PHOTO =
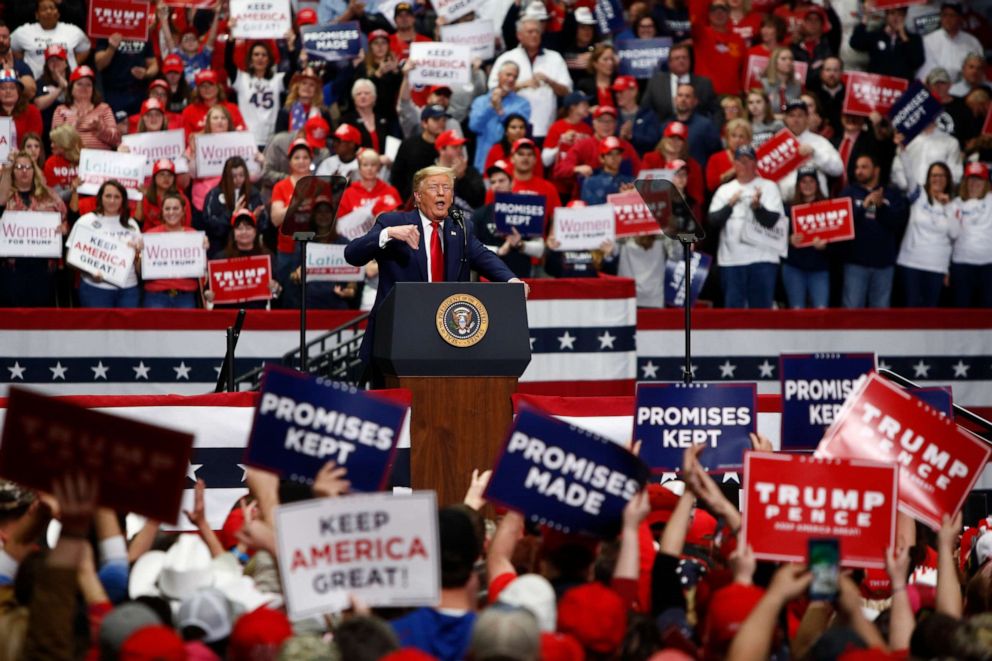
x=462, y=320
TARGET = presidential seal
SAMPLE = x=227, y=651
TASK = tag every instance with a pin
x=462, y=320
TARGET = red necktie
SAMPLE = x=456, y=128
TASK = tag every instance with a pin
x=437, y=257
x=845, y=155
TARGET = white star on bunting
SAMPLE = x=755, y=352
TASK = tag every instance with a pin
x=141, y=371
x=182, y=372
x=606, y=340
x=58, y=372
x=100, y=371
x=961, y=369
x=650, y=370
x=767, y=369
x=566, y=341
x=727, y=370
x=921, y=369
x=16, y=372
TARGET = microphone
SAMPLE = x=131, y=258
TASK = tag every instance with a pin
x=459, y=218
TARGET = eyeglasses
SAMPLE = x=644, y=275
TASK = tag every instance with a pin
x=435, y=188
x=22, y=166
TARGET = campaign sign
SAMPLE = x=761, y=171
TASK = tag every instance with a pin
x=31, y=234
x=758, y=64
x=173, y=255
x=260, y=19
x=640, y=58
x=6, y=137
x=830, y=220
x=522, y=212
x=128, y=18
x=699, y=269
x=156, y=145
x=779, y=156
x=454, y=9
x=631, y=215
x=355, y=223
x=788, y=499
x=609, y=16
x=814, y=387
x=302, y=422
x=331, y=43
x=98, y=165
x=914, y=111
x=440, y=64
x=937, y=397
x=938, y=462
x=326, y=263
x=139, y=468
x=382, y=549
x=478, y=35
x=92, y=251
x=213, y=150
x=583, y=228
x=670, y=417
x=775, y=238
x=567, y=477
x=868, y=92
x=241, y=279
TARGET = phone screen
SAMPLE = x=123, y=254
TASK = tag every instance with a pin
x=824, y=563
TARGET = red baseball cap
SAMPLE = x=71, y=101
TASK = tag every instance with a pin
x=610, y=143
x=522, y=142
x=156, y=642
x=172, y=63
x=501, y=166
x=663, y=501
x=976, y=169
x=624, y=83
x=81, y=72
x=263, y=627
x=599, y=111
x=378, y=34
x=163, y=165
x=448, y=139
x=306, y=17
x=56, y=50
x=242, y=215
x=160, y=82
x=594, y=615
x=728, y=608
x=348, y=133
x=316, y=129
x=205, y=76
x=299, y=143
x=677, y=129
x=151, y=104
x=440, y=89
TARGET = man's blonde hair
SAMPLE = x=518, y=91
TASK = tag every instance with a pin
x=432, y=171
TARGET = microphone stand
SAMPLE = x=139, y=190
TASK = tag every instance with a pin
x=459, y=218
x=686, y=239
x=303, y=238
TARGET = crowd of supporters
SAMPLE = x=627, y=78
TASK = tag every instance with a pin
x=550, y=115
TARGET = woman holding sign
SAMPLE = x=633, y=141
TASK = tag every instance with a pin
x=234, y=193
x=806, y=271
x=244, y=240
x=25, y=281
x=217, y=120
x=300, y=160
x=177, y=293
x=110, y=223
x=162, y=184
x=86, y=112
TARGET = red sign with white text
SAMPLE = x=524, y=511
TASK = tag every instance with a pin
x=867, y=93
x=138, y=467
x=779, y=156
x=756, y=66
x=241, y=279
x=128, y=18
x=938, y=462
x=830, y=220
x=633, y=218
x=789, y=499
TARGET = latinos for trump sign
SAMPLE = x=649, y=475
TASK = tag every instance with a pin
x=326, y=263
x=814, y=387
x=699, y=269
x=332, y=43
x=640, y=58
x=440, y=64
x=938, y=462
x=670, y=417
x=583, y=228
x=867, y=93
x=213, y=150
x=564, y=476
x=631, y=215
x=128, y=18
x=779, y=156
x=260, y=19
x=97, y=166
x=95, y=252
x=173, y=255
x=477, y=35
x=139, y=468
x=382, y=549
x=302, y=422
x=31, y=234
x=789, y=499
x=830, y=220
x=241, y=279
x=914, y=111
x=521, y=212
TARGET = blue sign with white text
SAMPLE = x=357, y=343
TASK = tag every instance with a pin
x=302, y=422
x=342, y=41
x=566, y=477
x=522, y=212
x=609, y=16
x=914, y=111
x=699, y=269
x=814, y=387
x=640, y=58
x=671, y=417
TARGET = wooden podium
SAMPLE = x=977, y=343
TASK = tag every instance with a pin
x=459, y=347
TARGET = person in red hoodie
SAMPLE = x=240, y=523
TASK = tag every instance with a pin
x=583, y=157
x=369, y=188
x=719, y=51
x=208, y=93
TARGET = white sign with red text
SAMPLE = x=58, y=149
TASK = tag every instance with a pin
x=440, y=64
x=98, y=165
x=92, y=251
x=213, y=150
x=326, y=263
x=173, y=255
x=31, y=234
x=477, y=35
x=6, y=137
x=355, y=223
x=260, y=19
x=584, y=228
x=380, y=548
x=156, y=145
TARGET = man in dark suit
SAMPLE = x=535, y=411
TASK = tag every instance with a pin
x=659, y=95
x=424, y=245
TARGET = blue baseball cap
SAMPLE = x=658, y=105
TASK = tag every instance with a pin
x=745, y=151
x=574, y=98
x=430, y=112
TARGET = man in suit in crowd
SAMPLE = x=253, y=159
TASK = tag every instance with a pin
x=661, y=90
x=424, y=245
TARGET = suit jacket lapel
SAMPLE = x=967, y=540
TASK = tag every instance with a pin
x=422, y=248
x=452, y=250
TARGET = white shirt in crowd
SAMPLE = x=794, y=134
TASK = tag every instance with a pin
x=333, y=165
x=111, y=227
x=928, y=147
x=543, y=102
x=825, y=158
x=32, y=40
x=258, y=102
x=932, y=228
x=733, y=250
x=647, y=267
x=944, y=51
x=973, y=244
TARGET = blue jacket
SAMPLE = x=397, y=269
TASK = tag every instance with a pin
x=488, y=126
x=446, y=637
x=400, y=263
x=876, y=239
